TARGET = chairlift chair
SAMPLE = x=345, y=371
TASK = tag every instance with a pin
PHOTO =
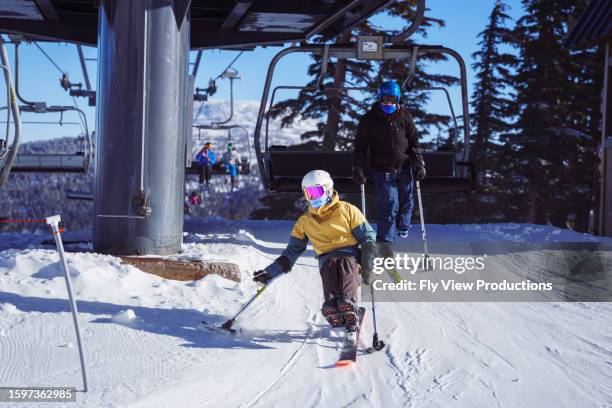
x=78, y=162
x=282, y=167
x=244, y=165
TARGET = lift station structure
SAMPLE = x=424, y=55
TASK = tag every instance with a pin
x=143, y=61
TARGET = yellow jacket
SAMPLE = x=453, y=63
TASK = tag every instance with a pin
x=329, y=227
x=334, y=229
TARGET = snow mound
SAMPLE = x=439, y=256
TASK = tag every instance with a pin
x=126, y=317
x=8, y=309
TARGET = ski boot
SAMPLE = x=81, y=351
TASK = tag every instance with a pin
x=331, y=314
x=348, y=309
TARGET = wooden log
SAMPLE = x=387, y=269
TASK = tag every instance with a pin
x=183, y=270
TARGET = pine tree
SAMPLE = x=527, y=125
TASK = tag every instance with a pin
x=492, y=112
x=491, y=104
x=553, y=153
x=339, y=112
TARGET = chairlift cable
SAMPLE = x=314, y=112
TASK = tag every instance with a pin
x=217, y=77
x=49, y=58
x=76, y=105
x=229, y=66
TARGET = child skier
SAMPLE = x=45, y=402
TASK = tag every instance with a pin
x=335, y=228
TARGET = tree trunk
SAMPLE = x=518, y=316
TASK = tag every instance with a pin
x=335, y=101
x=532, y=203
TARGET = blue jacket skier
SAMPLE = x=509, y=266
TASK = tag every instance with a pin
x=206, y=159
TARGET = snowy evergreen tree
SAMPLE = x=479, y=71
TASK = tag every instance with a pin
x=339, y=112
x=492, y=112
x=492, y=107
x=553, y=150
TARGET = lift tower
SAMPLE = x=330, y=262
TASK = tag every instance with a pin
x=142, y=96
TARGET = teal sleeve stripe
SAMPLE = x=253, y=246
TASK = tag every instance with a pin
x=364, y=233
x=295, y=249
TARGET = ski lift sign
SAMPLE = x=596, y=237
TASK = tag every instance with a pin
x=369, y=47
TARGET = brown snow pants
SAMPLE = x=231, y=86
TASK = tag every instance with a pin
x=340, y=277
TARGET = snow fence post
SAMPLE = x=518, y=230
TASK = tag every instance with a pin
x=53, y=222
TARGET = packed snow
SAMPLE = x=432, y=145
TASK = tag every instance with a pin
x=145, y=345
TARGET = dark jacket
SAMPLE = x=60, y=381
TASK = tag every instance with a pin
x=391, y=141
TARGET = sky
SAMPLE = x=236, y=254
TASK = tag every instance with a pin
x=39, y=78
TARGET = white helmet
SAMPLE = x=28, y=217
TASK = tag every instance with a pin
x=318, y=178
x=325, y=184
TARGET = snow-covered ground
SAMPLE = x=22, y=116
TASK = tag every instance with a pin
x=145, y=347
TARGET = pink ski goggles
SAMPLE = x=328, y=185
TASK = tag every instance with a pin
x=314, y=192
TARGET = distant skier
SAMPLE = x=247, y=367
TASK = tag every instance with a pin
x=388, y=138
x=206, y=158
x=195, y=199
x=335, y=228
x=230, y=160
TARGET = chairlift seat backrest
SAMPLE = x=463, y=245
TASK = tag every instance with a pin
x=287, y=167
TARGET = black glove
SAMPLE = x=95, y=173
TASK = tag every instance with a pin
x=279, y=266
x=359, y=175
x=419, y=164
x=263, y=277
x=419, y=173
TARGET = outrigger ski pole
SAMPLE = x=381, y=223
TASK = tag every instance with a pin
x=423, y=232
x=228, y=325
x=377, y=345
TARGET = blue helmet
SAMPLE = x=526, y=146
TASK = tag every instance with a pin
x=390, y=88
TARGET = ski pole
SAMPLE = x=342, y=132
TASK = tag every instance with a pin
x=363, y=202
x=376, y=344
x=228, y=325
x=423, y=232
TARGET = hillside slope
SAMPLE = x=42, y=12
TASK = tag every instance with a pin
x=438, y=354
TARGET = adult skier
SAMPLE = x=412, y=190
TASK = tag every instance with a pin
x=387, y=138
x=335, y=228
x=206, y=158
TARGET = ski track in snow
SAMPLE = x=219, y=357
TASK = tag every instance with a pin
x=437, y=354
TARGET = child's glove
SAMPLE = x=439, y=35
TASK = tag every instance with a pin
x=279, y=266
x=264, y=276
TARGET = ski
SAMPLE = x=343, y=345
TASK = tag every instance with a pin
x=348, y=354
x=385, y=251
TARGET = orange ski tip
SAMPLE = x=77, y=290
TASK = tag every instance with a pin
x=343, y=363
